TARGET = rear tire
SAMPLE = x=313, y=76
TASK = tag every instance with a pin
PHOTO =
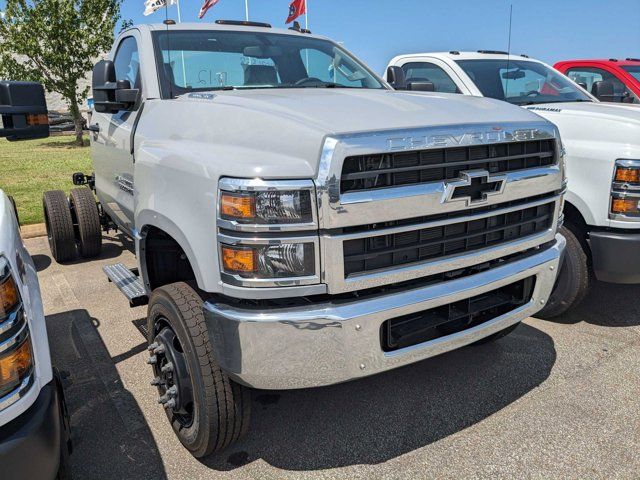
x=573, y=281
x=57, y=217
x=497, y=336
x=86, y=219
x=217, y=410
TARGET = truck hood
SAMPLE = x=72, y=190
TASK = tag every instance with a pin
x=593, y=122
x=338, y=111
x=272, y=133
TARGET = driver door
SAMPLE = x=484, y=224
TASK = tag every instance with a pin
x=112, y=142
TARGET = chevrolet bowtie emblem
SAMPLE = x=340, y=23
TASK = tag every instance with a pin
x=474, y=187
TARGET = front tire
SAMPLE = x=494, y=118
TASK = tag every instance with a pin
x=573, y=281
x=57, y=217
x=207, y=410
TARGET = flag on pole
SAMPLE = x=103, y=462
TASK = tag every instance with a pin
x=151, y=6
x=206, y=6
x=297, y=8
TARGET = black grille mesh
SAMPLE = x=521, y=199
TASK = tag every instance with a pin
x=384, y=251
x=369, y=172
x=416, y=328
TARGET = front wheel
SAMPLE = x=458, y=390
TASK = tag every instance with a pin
x=207, y=410
x=573, y=281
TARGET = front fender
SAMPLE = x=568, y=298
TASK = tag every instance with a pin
x=148, y=219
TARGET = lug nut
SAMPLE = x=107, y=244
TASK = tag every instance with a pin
x=159, y=349
x=156, y=382
x=153, y=346
x=170, y=404
x=167, y=368
x=152, y=360
x=163, y=399
x=173, y=392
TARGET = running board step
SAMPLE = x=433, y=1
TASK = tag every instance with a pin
x=128, y=283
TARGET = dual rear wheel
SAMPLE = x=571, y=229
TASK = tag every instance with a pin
x=73, y=224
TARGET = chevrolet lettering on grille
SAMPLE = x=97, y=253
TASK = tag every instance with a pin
x=474, y=187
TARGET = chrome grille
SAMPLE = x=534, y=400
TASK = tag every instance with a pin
x=371, y=172
x=378, y=252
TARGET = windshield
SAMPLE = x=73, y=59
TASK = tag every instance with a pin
x=522, y=82
x=192, y=60
x=634, y=70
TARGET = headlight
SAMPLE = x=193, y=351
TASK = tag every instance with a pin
x=261, y=205
x=287, y=260
x=16, y=356
x=266, y=207
x=268, y=233
x=625, y=191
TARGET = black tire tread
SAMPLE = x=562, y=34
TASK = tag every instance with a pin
x=88, y=219
x=228, y=403
x=582, y=272
x=61, y=235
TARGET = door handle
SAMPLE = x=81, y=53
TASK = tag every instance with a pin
x=94, y=128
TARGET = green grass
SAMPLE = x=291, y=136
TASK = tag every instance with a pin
x=29, y=168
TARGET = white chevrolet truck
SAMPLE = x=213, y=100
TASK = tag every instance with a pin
x=35, y=436
x=299, y=223
x=602, y=142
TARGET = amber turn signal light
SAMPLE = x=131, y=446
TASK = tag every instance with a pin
x=628, y=175
x=15, y=365
x=40, y=119
x=9, y=296
x=239, y=260
x=625, y=205
x=235, y=205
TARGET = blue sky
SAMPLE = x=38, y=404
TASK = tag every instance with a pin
x=376, y=30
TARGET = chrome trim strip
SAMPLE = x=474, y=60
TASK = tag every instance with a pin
x=17, y=394
x=237, y=280
x=336, y=341
x=228, y=184
x=12, y=320
x=18, y=338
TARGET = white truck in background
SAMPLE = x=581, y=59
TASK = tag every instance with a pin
x=602, y=143
x=35, y=440
x=297, y=222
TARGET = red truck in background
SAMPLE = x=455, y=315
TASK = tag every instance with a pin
x=609, y=80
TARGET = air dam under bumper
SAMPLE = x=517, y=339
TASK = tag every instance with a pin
x=616, y=256
x=332, y=342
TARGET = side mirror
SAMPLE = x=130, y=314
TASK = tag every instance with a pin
x=23, y=111
x=396, y=78
x=603, y=91
x=111, y=95
x=421, y=86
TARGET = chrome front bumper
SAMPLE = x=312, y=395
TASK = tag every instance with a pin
x=333, y=342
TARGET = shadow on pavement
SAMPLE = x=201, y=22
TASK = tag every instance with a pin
x=111, y=437
x=607, y=305
x=41, y=262
x=382, y=417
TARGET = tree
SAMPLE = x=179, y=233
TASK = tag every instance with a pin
x=56, y=42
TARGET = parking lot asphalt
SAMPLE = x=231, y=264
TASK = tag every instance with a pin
x=551, y=400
